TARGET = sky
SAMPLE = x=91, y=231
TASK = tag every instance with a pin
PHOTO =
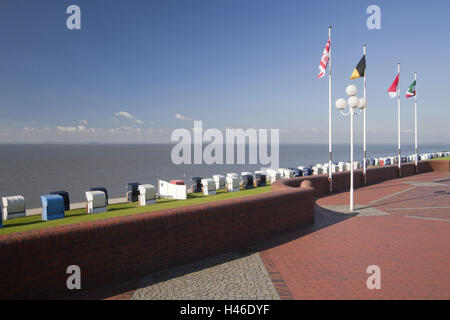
x=137, y=70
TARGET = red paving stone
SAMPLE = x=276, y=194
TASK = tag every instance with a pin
x=374, y=192
x=329, y=260
x=413, y=254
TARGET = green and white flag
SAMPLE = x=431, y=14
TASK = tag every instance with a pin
x=411, y=90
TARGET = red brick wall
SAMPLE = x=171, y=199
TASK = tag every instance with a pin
x=434, y=165
x=408, y=169
x=319, y=183
x=438, y=165
x=33, y=264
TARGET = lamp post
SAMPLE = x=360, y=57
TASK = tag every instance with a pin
x=354, y=103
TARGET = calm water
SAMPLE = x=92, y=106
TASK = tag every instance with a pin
x=32, y=170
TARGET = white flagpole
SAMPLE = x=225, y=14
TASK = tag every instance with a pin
x=330, y=164
x=364, y=123
x=415, y=122
x=399, y=148
x=351, y=159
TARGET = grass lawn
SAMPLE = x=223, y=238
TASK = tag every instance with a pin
x=122, y=209
x=444, y=158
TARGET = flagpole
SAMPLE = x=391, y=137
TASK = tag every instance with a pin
x=398, y=116
x=351, y=158
x=415, y=121
x=330, y=164
x=364, y=122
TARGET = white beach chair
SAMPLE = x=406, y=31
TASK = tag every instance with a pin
x=209, y=187
x=13, y=207
x=147, y=194
x=95, y=202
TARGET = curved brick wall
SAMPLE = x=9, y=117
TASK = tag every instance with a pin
x=33, y=264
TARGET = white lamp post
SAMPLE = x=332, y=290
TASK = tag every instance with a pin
x=354, y=103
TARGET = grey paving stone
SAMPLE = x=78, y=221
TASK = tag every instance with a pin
x=426, y=184
x=358, y=210
x=230, y=276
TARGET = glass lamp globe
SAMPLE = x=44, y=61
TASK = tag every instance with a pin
x=341, y=104
x=351, y=90
x=353, y=102
x=362, y=103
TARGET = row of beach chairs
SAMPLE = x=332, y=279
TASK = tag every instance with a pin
x=232, y=182
x=55, y=204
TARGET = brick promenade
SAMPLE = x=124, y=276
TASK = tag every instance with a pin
x=401, y=225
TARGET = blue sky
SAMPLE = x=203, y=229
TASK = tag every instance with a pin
x=139, y=69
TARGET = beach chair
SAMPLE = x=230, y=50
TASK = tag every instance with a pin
x=196, y=184
x=175, y=189
x=13, y=207
x=273, y=175
x=102, y=189
x=147, y=194
x=95, y=202
x=247, y=181
x=260, y=178
x=232, y=183
x=53, y=207
x=66, y=198
x=132, y=193
x=219, y=181
x=208, y=187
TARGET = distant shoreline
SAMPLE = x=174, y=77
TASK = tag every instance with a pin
x=174, y=143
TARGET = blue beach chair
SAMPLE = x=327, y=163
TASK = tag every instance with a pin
x=66, y=198
x=52, y=207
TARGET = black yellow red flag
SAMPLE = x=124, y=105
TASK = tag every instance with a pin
x=360, y=69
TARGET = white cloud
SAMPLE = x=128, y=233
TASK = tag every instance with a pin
x=124, y=114
x=84, y=122
x=82, y=133
x=181, y=117
x=127, y=115
x=67, y=129
x=31, y=129
x=125, y=129
x=77, y=129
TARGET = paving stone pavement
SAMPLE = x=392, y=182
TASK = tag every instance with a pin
x=358, y=210
x=401, y=225
x=230, y=276
x=410, y=244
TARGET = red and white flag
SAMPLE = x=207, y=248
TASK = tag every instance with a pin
x=324, y=61
x=393, y=88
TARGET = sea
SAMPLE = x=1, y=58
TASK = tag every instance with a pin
x=33, y=170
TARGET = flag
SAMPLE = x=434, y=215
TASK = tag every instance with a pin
x=360, y=69
x=324, y=61
x=411, y=90
x=393, y=88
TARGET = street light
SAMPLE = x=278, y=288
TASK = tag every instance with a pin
x=354, y=103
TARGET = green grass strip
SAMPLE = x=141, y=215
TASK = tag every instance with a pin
x=444, y=158
x=122, y=209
